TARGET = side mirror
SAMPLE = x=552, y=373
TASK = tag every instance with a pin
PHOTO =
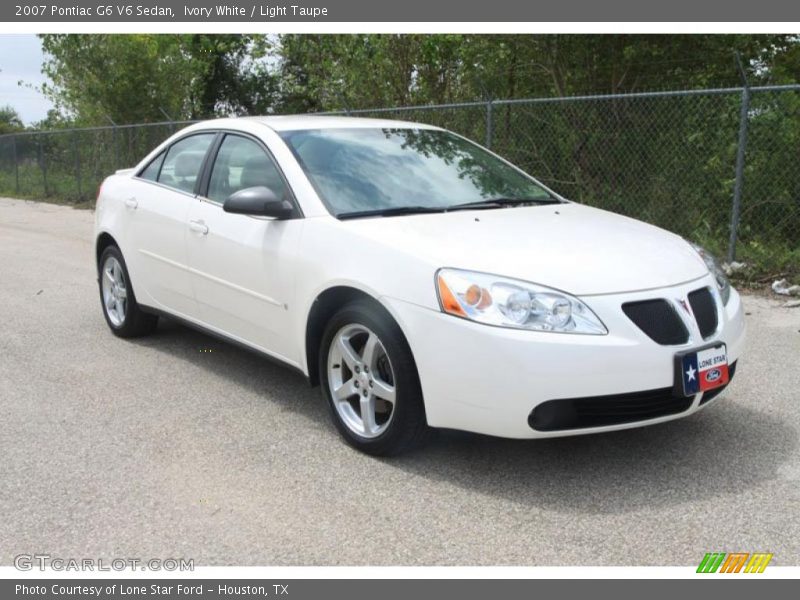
x=258, y=201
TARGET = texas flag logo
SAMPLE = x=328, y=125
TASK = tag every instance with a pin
x=704, y=370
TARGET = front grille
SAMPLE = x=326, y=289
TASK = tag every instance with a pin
x=658, y=319
x=710, y=395
x=600, y=411
x=705, y=311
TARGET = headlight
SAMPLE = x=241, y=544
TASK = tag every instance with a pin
x=504, y=302
x=723, y=285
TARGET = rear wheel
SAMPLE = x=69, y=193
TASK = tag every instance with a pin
x=370, y=380
x=122, y=312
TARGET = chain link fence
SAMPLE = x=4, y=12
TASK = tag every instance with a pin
x=719, y=166
x=69, y=164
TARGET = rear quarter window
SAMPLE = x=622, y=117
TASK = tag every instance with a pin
x=150, y=172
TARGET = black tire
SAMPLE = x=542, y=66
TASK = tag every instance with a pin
x=407, y=429
x=136, y=322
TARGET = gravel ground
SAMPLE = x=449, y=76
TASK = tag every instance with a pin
x=179, y=445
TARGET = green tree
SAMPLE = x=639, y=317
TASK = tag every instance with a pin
x=10, y=120
x=355, y=71
x=371, y=70
x=131, y=78
x=144, y=78
x=124, y=78
x=231, y=75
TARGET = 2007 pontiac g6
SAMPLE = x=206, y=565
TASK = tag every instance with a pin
x=421, y=280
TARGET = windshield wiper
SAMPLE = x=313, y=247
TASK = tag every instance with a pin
x=502, y=202
x=391, y=212
x=416, y=210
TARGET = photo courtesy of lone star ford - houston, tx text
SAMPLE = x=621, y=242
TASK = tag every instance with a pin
x=358, y=299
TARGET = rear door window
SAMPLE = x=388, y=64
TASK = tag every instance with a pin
x=183, y=162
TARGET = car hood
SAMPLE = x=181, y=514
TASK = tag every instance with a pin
x=571, y=247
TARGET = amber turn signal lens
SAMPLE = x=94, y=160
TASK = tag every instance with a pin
x=448, y=300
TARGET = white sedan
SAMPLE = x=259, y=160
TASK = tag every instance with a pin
x=421, y=280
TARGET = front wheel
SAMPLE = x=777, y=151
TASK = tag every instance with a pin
x=370, y=381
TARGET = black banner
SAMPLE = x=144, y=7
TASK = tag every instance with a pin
x=371, y=589
x=464, y=11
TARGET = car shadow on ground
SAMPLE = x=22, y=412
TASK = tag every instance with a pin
x=240, y=366
x=724, y=449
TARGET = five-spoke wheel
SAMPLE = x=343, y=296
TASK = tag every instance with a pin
x=361, y=380
x=370, y=379
x=115, y=294
x=123, y=314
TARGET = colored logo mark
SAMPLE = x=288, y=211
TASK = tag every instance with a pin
x=734, y=562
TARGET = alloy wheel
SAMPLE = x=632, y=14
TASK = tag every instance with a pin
x=361, y=381
x=115, y=291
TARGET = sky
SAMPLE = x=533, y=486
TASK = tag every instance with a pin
x=21, y=58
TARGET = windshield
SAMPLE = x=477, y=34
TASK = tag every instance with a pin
x=375, y=170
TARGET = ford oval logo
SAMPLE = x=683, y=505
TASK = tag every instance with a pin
x=713, y=375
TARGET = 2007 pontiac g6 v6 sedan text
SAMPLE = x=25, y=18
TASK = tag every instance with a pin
x=421, y=280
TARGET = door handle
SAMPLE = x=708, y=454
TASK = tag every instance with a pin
x=131, y=203
x=198, y=226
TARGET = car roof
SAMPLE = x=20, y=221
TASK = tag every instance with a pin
x=311, y=121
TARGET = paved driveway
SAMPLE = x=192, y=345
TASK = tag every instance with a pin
x=182, y=446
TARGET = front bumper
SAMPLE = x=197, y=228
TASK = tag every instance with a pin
x=489, y=380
